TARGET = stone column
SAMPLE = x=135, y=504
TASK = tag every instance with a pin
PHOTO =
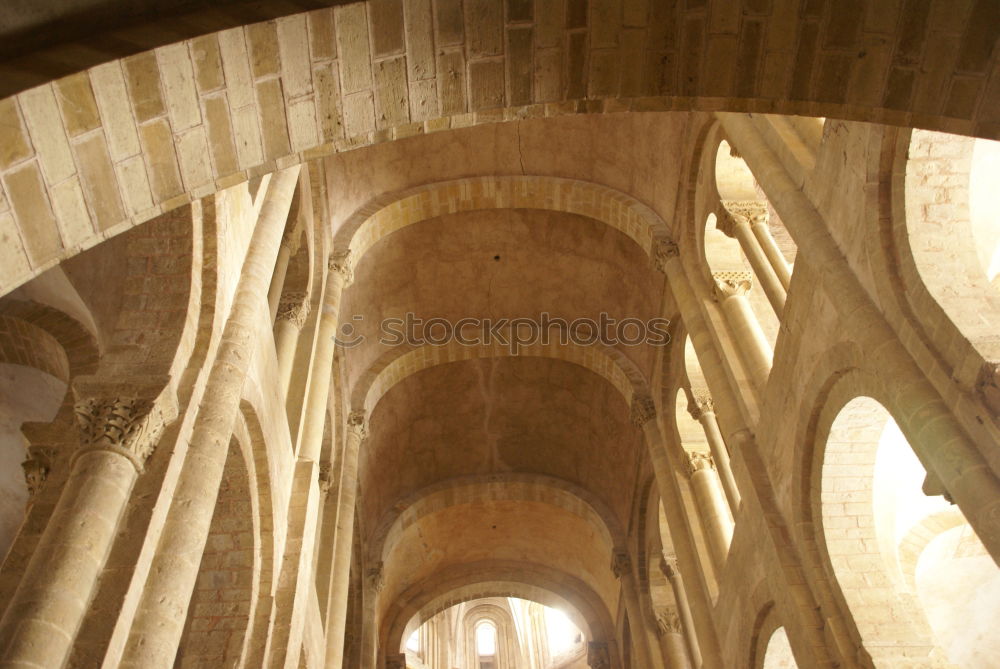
x=41, y=622
x=338, y=277
x=598, y=656
x=374, y=582
x=621, y=565
x=736, y=222
x=159, y=619
x=671, y=635
x=711, y=506
x=762, y=232
x=288, y=248
x=357, y=431
x=731, y=290
x=293, y=309
x=703, y=411
x=668, y=565
x=643, y=415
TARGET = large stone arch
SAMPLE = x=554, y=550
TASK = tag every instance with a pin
x=141, y=135
x=399, y=362
x=497, y=579
x=493, y=487
x=389, y=213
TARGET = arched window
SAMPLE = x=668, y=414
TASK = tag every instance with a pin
x=486, y=644
x=779, y=652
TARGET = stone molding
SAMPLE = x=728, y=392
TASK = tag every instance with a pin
x=668, y=621
x=128, y=426
x=642, y=410
x=621, y=564
x=668, y=565
x=731, y=284
x=598, y=656
x=294, y=307
x=697, y=462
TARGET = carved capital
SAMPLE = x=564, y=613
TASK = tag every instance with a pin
x=376, y=576
x=357, y=424
x=323, y=476
x=750, y=211
x=696, y=462
x=341, y=263
x=668, y=565
x=294, y=307
x=642, y=410
x=663, y=251
x=290, y=238
x=731, y=284
x=36, y=471
x=988, y=386
x=128, y=426
x=668, y=621
x=621, y=564
x=701, y=405
x=598, y=656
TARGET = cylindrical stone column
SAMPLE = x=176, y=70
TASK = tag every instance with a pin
x=159, y=619
x=621, y=565
x=45, y=613
x=293, y=309
x=287, y=249
x=711, y=506
x=357, y=431
x=703, y=411
x=731, y=292
x=762, y=232
x=338, y=276
x=668, y=565
x=736, y=222
x=671, y=636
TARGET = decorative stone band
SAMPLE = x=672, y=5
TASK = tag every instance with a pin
x=621, y=564
x=341, y=262
x=731, y=284
x=598, y=656
x=701, y=405
x=663, y=251
x=376, y=577
x=357, y=424
x=294, y=307
x=668, y=621
x=696, y=462
x=130, y=427
x=642, y=410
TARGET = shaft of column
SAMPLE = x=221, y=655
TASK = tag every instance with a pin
x=338, y=276
x=278, y=279
x=621, y=565
x=669, y=567
x=731, y=293
x=643, y=414
x=704, y=413
x=356, y=433
x=293, y=309
x=769, y=281
x=373, y=584
x=46, y=611
x=711, y=506
x=671, y=635
x=764, y=237
x=162, y=611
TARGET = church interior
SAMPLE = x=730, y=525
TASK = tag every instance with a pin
x=500, y=334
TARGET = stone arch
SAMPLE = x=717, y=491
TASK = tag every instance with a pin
x=497, y=579
x=917, y=539
x=399, y=362
x=394, y=211
x=156, y=129
x=494, y=487
x=508, y=651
